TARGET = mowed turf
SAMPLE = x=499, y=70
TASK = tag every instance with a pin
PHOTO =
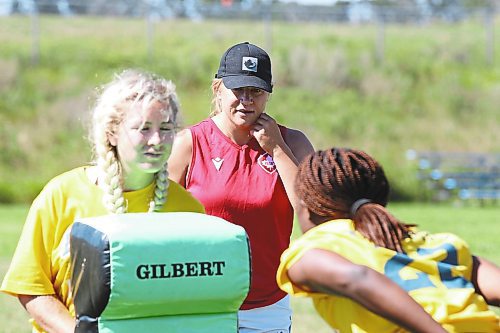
x=480, y=226
x=13, y=318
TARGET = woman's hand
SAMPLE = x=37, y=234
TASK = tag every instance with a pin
x=267, y=133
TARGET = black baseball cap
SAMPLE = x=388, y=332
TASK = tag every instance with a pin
x=245, y=65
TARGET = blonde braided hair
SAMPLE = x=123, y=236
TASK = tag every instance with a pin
x=161, y=190
x=116, y=98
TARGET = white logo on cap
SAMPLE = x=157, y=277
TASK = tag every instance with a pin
x=249, y=64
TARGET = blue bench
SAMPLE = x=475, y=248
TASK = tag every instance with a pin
x=463, y=176
x=466, y=194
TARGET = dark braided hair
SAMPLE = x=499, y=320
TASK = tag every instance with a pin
x=330, y=181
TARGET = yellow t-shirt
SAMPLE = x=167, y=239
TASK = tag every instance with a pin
x=40, y=265
x=435, y=271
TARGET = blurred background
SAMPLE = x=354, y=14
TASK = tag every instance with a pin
x=399, y=79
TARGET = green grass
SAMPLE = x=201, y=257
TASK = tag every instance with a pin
x=13, y=317
x=479, y=226
x=11, y=222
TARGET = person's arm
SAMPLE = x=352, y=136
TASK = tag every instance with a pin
x=301, y=147
x=327, y=272
x=486, y=280
x=286, y=155
x=49, y=313
x=180, y=157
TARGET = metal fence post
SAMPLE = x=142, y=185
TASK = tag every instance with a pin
x=150, y=32
x=35, y=37
x=268, y=22
x=490, y=37
x=380, y=42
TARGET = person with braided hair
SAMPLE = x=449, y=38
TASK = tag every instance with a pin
x=368, y=272
x=133, y=127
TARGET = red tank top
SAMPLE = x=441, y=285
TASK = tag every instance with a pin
x=241, y=185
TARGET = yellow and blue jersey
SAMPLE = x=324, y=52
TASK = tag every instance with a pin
x=435, y=270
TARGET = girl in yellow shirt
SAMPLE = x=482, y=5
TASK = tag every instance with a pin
x=133, y=128
x=368, y=272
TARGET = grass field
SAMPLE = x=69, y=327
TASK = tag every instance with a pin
x=478, y=225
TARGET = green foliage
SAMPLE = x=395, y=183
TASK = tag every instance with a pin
x=431, y=90
x=11, y=223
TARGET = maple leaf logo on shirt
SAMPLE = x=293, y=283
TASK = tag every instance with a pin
x=266, y=162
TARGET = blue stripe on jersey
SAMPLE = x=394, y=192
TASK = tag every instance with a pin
x=394, y=265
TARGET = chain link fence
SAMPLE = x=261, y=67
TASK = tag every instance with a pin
x=354, y=11
x=375, y=13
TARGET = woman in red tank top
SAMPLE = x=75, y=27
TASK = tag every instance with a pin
x=241, y=165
